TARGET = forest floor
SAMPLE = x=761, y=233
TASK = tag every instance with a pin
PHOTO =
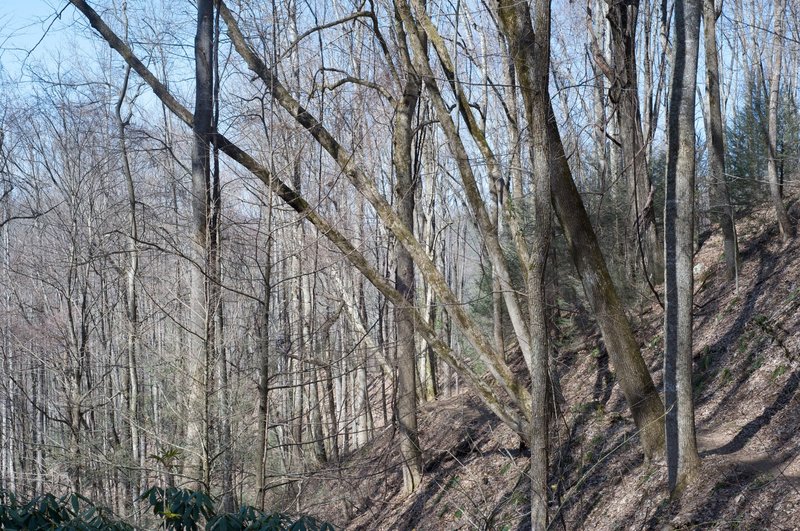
x=747, y=375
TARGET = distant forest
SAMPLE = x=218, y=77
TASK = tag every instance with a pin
x=240, y=240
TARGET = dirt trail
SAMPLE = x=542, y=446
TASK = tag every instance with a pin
x=753, y=458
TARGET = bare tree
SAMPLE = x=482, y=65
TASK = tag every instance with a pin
x=784, y=225
x=288, y=407
x=405, y=108
x=529, y=48
x=682, y=457
x=197, y=430
x=623, y=93
x=721, y=208
x=131, y=295
x=263, y=345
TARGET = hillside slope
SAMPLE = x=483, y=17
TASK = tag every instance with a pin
x=747, y=409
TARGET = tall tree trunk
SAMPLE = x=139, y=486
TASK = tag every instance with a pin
x=315, y=416
x=529, y=46
x=430, y=387
x=296, y=363
x=682, y=457
x=360, y=396
x=406, y=182
x=721, y=209
x=263, y=347
x=225, y=412
x=200, y=347
x=216, y=320
x=602, y=154
x=784, y=225
x=40, y=421
x=624, y=95
x=131, y=303
x=8, y=475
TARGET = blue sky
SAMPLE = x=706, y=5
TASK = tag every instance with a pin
x=23, y=23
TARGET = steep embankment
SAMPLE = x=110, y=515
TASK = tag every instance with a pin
x=748, y=419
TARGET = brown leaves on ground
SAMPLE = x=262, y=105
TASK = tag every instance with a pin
x=747, y=375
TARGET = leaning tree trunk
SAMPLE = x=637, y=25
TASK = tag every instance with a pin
x=635, y=380
x=623, y=350
x=721, y=209
x=516, y=410
x=682, y=457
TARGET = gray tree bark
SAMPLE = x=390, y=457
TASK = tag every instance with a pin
x=529, y=47
x=682, y=457
x=200, y=349
x=263, y=347
x=131, y=300
x=721, y=209
x=624, y=95
x=405, y=186
x=784, y=225
x=631, y=371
